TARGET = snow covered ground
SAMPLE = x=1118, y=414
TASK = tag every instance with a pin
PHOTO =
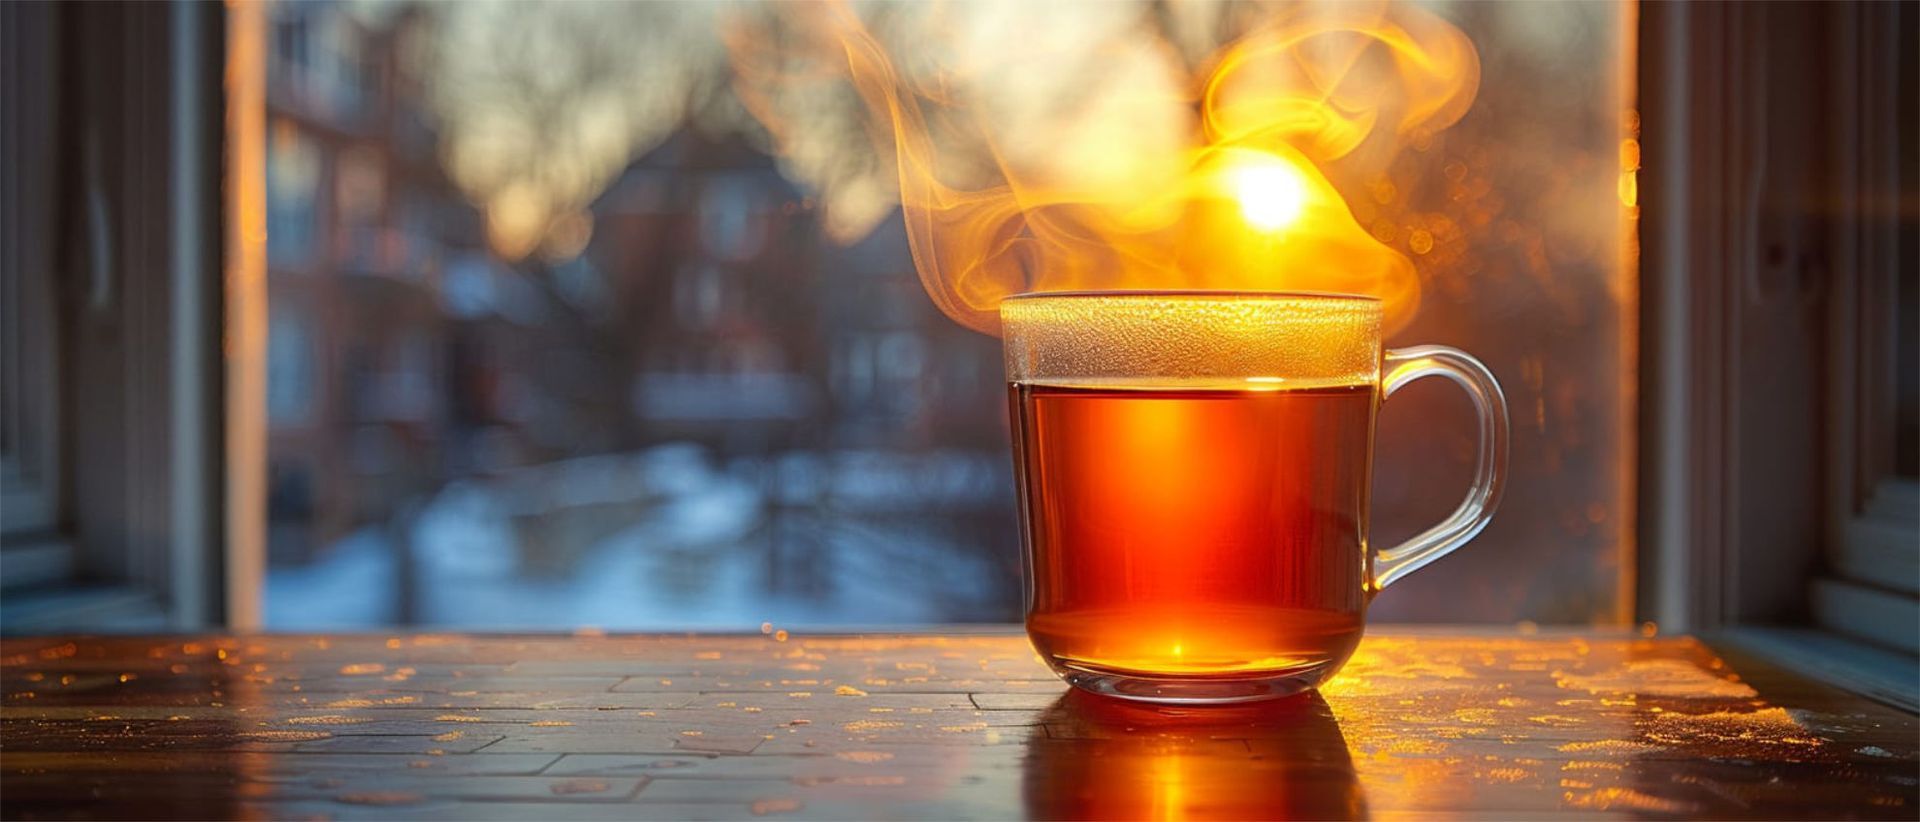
x=667, y=539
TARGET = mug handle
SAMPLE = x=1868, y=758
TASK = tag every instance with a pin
x=1404, y=365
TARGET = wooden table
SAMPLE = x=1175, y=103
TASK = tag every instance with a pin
x=896, y=726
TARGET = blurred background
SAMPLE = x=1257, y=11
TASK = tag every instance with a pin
x=555, y=338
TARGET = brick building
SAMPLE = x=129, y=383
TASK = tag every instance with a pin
x=364, y=231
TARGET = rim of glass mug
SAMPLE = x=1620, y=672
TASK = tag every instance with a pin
x=1192, y=293
x=1192, y=338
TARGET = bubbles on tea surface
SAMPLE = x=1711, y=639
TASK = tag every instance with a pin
x=1192, y=339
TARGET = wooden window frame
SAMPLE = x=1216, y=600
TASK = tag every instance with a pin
x=114, y=128
x=1771, y=252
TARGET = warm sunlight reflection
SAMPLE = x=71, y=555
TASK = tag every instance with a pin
x=1119, y=760
x=1271, y=195
x=1168, y=781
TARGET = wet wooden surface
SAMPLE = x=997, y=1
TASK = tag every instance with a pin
x=942, y=726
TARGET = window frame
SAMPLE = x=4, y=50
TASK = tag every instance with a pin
x=120, y=169
x=1730, y=248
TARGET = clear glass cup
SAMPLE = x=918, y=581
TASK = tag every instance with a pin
x=1194, y=474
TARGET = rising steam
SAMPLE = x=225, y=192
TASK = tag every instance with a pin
x=1074, y=148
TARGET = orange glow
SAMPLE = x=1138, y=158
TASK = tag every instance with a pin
x=1271, y=195
x=1630, y=172
x=1167, y=787
x=1163, y=763
x=245, y=345
x=1168, y=178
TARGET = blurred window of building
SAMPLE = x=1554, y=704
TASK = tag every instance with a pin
x=291, y=373
x=420, y=240
x=360, y=189
x=730, y=224
x=292, y=49
x=902, y=358
x=293, y=193
x=697, y=294
x=467, y=290
x=340, y=78
x=856, y=366
x=413, y=384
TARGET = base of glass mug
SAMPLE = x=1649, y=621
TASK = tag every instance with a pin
x=1192, y=690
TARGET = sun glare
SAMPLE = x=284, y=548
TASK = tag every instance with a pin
x=1272, y=195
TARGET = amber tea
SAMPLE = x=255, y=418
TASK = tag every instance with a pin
x=1196, y=532
x=1194, y=473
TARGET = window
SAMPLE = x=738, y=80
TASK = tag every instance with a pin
x=729, y=222
x=293, y=203
x=291, y=375
x=665, y=337
x=360, y=184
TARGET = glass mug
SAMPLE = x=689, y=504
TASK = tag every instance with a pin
x=1194, y=475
